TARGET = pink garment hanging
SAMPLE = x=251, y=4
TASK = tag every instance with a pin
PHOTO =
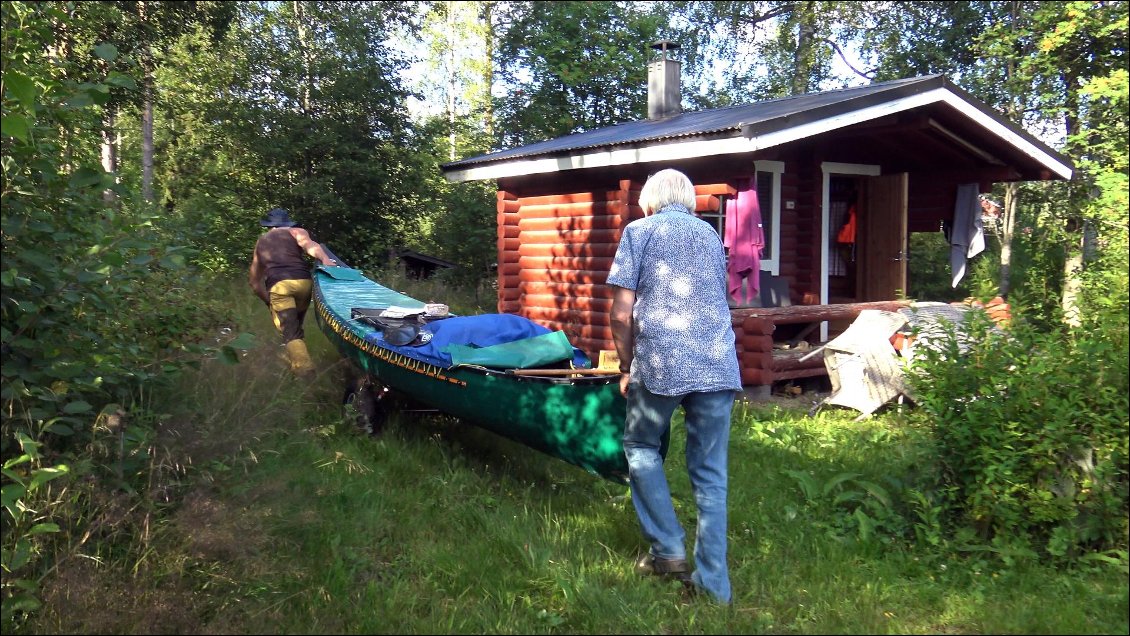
x=745, y=240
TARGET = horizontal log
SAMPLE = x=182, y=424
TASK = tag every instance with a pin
x=509, y=307
x=600, y=305
x=509, y=269
x=585, y=222
x=757, y=377
x=593, y=263
x=552, y=237
x=568, y=289
x=510, y=294
x=562, y=276
x=752, y=342
x=573, y=330
x=534, y=312
x=817, y=313
x=509, y=231
x=566, y=210
x=568, y=250
x=508, y=207
x=504, y=218
x=715, y=188
x=503, y=195
x=707, y=203
x=757, y=326
x=756, y=360
x=577, y=197
x=510, y=257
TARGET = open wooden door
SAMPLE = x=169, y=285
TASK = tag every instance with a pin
x=882, y=241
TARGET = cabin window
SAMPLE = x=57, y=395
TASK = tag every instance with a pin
x=767, y=182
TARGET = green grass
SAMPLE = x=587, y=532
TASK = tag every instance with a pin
x=285, y=519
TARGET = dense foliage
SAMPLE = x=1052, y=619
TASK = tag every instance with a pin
x=1031, y=432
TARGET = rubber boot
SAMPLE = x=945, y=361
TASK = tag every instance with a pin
x=299, y=357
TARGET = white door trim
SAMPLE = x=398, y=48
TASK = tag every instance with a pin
x=830, y=168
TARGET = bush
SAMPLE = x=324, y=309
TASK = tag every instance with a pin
x=1031, y=432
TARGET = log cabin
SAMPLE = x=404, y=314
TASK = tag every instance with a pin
x=840, y=178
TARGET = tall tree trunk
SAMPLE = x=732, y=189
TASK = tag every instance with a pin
x=1011, y=189
x=803, y=55
x=1008, y=229
x=109, y=153
x=488, y=68
x=1075, y=258
x=147, y=89
x=452, y=79
x=147, y=150
x=1072, y=282
x=306, y=99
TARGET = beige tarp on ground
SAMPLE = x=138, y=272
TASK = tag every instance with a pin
x=865, y=370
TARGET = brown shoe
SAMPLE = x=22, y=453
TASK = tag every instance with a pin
x=649, y=565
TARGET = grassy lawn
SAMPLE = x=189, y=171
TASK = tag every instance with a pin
x=275, y=515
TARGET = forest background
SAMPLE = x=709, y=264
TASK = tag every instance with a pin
x=143, y=140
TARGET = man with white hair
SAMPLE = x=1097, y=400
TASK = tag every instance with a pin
x=671, y=325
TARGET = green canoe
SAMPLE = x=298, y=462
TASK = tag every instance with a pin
x=576, y=418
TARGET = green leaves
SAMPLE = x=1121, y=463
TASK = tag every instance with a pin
x=231, y=352
x=15, y=126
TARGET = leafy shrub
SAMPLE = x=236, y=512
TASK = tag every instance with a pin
x=96, y=304
x=1031, y=431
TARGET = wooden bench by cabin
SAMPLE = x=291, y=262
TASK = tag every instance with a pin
x=762, y=364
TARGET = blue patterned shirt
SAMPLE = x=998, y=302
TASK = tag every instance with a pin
x=683, y=339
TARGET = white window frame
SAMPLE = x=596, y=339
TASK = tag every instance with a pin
x=773, y=238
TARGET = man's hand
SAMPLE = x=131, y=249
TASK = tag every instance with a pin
x=624, y=379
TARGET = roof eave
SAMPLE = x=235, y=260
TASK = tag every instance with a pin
x=781, y=130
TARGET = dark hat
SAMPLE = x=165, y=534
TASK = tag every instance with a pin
x=277, y=217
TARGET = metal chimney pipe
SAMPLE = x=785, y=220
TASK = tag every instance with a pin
x=664, y=94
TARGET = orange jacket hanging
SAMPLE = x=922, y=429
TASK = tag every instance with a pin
x=847, y=232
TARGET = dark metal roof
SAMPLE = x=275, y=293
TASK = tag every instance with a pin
x=748, y=120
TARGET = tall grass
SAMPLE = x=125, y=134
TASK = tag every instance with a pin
x=286, y=519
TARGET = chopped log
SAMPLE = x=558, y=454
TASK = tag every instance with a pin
x=796, y=374
x=792, y=359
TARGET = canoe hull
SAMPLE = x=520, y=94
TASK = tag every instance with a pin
x=578, y=420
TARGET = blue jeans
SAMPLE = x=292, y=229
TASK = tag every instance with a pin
x=708, y=438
